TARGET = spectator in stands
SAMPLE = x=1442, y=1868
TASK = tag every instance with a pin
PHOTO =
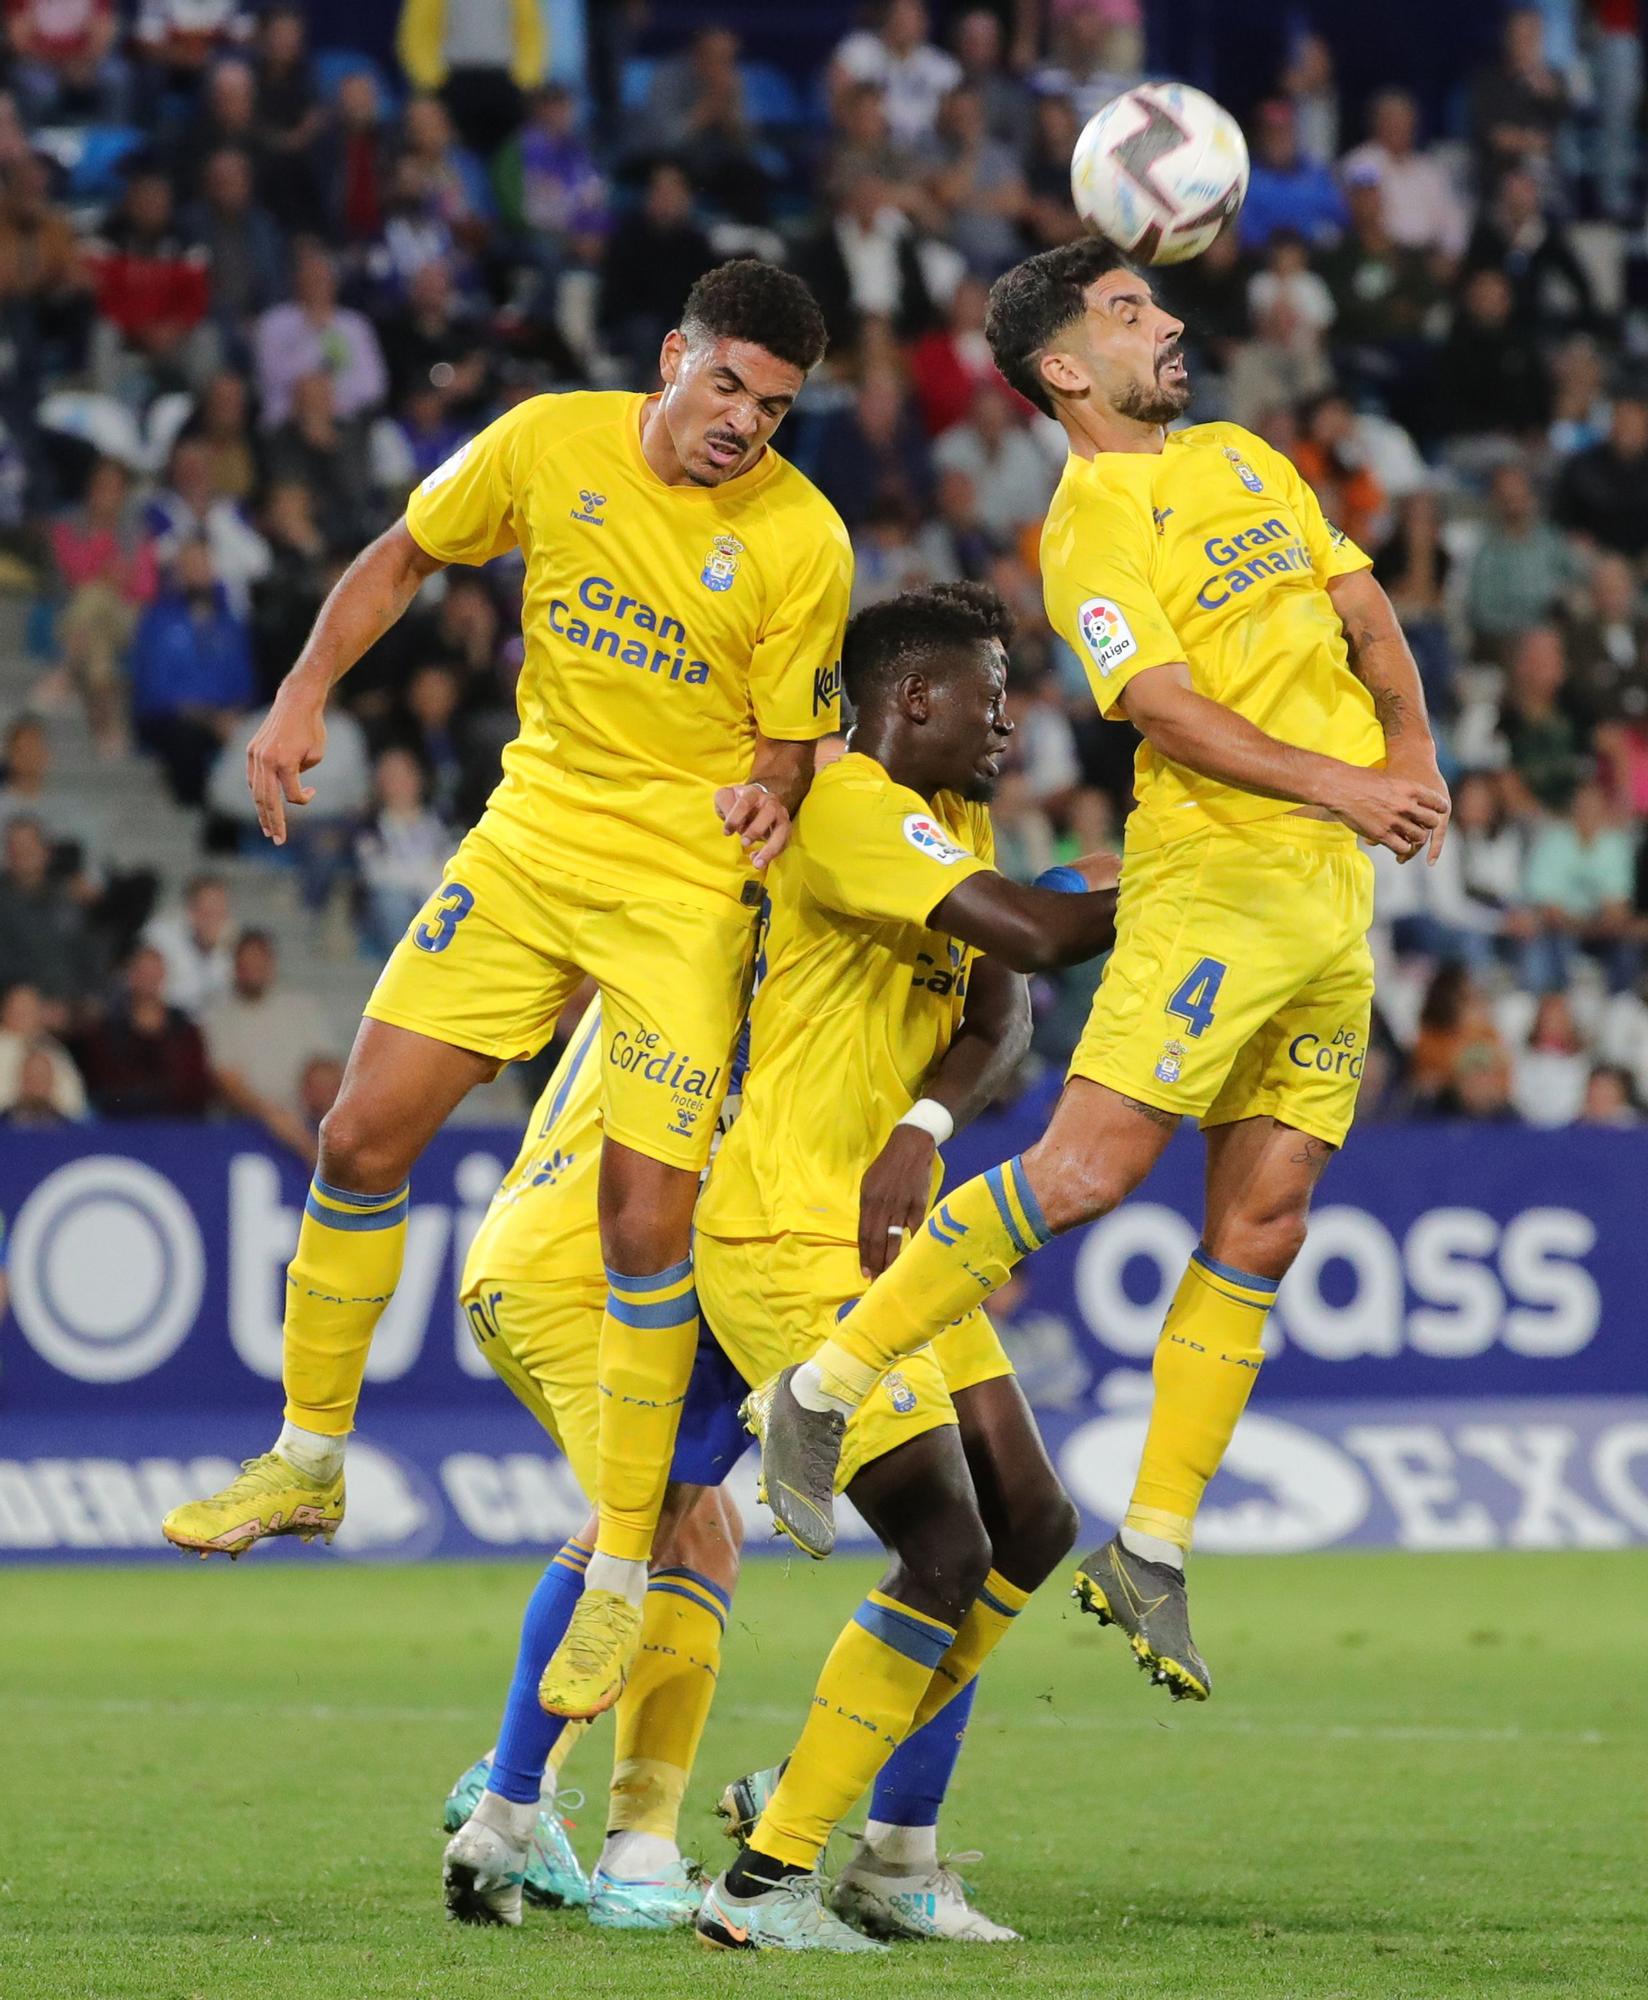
x=259, y=1037
x=1291, y=310
x=1549, y=288
x=191, y=672
x=864, y=266
x=222, y=423
x=1454, y=1022
x=481, y=55
x=66, y=817
x=1011, y=476
x=862, y=147
x=194, y=942
x=1580, y=407
x=313, y=332
x=977, y=42
x=190, y=506
x=66, y=65
x=318, y=1089
x=287, y=598
x=1286, y=189
x=181, y=40
x=1550, y=1070
x=955, y=543
x=228, y=116
x=436, y=341
x=453, y=178
x=1608, y=651
x=1490, y=376
x=1610, y=1099
x=45, y=279
x=950, y=364
x=1419, y=204
x=1480, y=1087
x=33, y=1106
x=314, y=448
x=1519, y=103
x=1025, y=843
x=1544, y=757
x=400, y=853
x=44, y=938
x=977, y=185
x=245, y=250
x=145, y=1058
x=1308, y=84
x=1602, y=493
x=24, y=1040
x=551, y=190
x=1327, y=455
x=1389, y=303
x=352, y=157
x=1051, y=217
x=1413, y=565
x=1523, y=568
x=1579, y=887
x=431, y=729
x=696, y=113
x=1043, y=749
x=290, y=119
x=875, y=452
x=105, y=572
x=1616, y=28
x=1097, y=47
x=650, y=263
x=152, y=293
x=1473, y=896
x=895, y=55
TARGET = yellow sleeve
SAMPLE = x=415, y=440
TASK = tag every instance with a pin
x=1332, y=552
x=529, y=55
x=418, y=42
x=1100, y=599
x=464, y=512
x=795, y=670
x=874, y=849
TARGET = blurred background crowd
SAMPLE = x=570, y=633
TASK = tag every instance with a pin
x=255, y=283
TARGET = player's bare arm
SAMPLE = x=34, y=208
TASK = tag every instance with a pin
x=972, y=1072
x=760, y=810
x=1383, y=662
x=1393, y=809
x=365, y=601
x=1035, y=930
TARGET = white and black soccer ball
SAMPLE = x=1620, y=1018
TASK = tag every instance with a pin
x=1159, y=171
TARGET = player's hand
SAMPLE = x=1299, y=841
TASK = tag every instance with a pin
x=893, y=1196
x=1098, y=870
x=1421, y=766
x=761, y=821
x=1388, y=808
x=290, y=741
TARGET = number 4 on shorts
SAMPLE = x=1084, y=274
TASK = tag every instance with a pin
x=1193, y=997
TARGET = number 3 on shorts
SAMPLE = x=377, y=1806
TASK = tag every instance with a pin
x=451, y=906
x=1193, y=997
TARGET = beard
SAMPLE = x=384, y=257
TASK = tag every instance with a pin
x=980, y=790
x=1153, y=405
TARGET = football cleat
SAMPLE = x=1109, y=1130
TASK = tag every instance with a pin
x=1147, y=1601
x=587, y=1671
x=270, y=1496
x=482, y=1872
x=913, y=1902
x=800, y=1453
x=667, y=1903
x=745, y=1800
x=554, y=1876
x=790, y=1916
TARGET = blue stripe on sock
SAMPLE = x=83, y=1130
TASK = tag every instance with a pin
x=1200, y=1256
x=1028, y=1201
x=668, y=1589
x=667, y=1312
x=656, y=1282
x=1001, y=1610
x=909, y=1636
x=360, y=1200
x=998, y=1194
x=337, y=1218
x=914, y=1780
x=722, y=1597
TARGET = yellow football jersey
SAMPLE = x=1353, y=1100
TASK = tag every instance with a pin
x=1213, y=551
x=664, y=626
x=855, y=1000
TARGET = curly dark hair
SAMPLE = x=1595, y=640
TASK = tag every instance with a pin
x=1034, y=302
x=909, y=632
x=748, y=300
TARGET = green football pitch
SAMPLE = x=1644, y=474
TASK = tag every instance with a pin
x=1419, y=1776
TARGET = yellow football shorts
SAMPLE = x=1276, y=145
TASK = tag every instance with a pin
x=494, y=955
x=541, y=1339
x=1241, y=984
x=769, y=1302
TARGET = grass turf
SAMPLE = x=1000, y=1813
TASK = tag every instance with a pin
x=1419, y=1777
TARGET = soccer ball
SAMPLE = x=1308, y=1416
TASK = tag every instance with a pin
x=1159, y=170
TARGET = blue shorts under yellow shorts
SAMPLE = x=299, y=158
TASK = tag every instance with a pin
x=541, y=1337
x=1241, y=984
x=494, y=956
x=771, y=1301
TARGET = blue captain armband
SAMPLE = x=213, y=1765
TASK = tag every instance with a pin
x=1068, y=881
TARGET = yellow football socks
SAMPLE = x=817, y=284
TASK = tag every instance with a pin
x=348, y=1262
x=649, y=1336
x=1207, y=1361
x=966, y=1249
x=987, y=1623
x=663, y=1709
x=875, y=1677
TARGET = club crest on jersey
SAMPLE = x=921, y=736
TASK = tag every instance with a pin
x=1170, y=1063
x=589, y=507
x=1106, y=633
x=929, y=838
x=899, y=1393
x=1244, y=472
x=721, y=564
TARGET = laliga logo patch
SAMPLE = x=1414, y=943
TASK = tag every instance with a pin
x=929, y=838
x=1170, y=1063
x=1244, y=472
x=447, y=467
x=1106, y=633
x=721, y=564
x=899, y=1393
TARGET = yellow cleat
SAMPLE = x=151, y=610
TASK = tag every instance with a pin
x=271, y=1497
x=587, y=1671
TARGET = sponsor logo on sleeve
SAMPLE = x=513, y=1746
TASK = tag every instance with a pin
x=929, y=838
x=827, y=689
x=1106, y=634
x=447, y=469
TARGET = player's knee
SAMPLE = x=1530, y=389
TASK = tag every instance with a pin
x=945, y=1562
x=1039, y=1540
x=359, y=1149
x=1075, y=1187
x=700, y=1529
x=1263, y=1241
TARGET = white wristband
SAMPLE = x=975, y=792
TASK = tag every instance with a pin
x=932, y=1118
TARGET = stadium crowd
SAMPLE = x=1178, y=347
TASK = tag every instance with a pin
x=253, y=290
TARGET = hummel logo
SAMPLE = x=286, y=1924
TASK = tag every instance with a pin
x=1160, y=515
x=589, y=507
